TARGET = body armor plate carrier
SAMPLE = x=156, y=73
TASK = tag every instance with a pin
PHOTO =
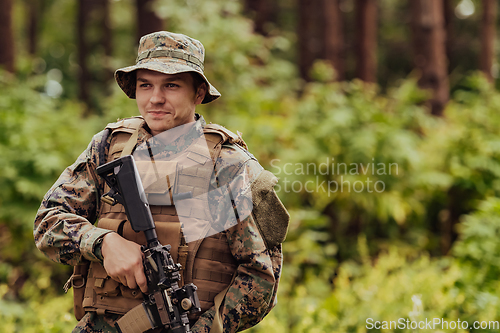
x=206, y=262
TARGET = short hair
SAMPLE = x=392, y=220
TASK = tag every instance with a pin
x=197, y=81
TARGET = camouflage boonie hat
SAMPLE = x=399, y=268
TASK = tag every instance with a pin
x=168, y=53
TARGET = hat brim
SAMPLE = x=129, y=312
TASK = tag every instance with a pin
x=126, y=79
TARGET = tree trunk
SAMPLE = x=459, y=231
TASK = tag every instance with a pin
x=6, y=36
x=84, y=7
x=309, y=35
x=263, y=12
x=106, y=40
x=366, y=37
x=33, y=15
x=449, y=8
x=430, y=50
x=106, y=29
x=147, y=20
x=333, y=39
x=488, y=37
x=320, y=36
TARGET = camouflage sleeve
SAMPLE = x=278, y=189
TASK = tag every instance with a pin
x=63, y=228
x=248, y=297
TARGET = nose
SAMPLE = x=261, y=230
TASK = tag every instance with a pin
x=157, y=97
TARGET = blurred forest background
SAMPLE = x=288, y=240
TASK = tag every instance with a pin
x=411, y=83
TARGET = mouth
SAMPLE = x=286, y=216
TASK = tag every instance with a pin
x=158, y=113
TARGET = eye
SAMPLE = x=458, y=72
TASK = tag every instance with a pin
x=144, y=85
x=172, y=85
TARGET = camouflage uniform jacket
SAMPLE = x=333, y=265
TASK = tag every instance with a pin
x=64, y=231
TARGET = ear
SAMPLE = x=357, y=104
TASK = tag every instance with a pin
x=200, y=94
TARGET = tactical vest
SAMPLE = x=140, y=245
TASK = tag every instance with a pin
x=207, y=262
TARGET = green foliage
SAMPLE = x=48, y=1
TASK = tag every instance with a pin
x=478, y=248
x=477, y=253
x=40, y=315
x=447, y=166
x=356, y=156
x=382, y=165
x=352, y=253
x=399, y=284
x=39, y=137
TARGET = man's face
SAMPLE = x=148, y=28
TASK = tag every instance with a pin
x=166, y=100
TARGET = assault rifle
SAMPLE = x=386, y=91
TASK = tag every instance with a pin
x=166, y=304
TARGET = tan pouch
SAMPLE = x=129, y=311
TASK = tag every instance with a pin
x=130, y=293
x=103, y=284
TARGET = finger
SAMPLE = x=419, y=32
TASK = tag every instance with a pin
x=140, y=278
x=130, y=282
x=116, y=278
x=122, y=280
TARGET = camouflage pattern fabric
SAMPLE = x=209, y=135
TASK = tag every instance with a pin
x=167, y=53
x=64, y=231
x=94, y=323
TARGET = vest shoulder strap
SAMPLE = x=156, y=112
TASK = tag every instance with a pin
x=126, y=124
x=121, y=133
x=226, y=134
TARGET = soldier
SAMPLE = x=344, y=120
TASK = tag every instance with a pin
x=239, y=263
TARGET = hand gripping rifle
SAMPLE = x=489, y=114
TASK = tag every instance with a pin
x=165, y=305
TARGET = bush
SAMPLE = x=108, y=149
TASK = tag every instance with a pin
x=39, y=137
